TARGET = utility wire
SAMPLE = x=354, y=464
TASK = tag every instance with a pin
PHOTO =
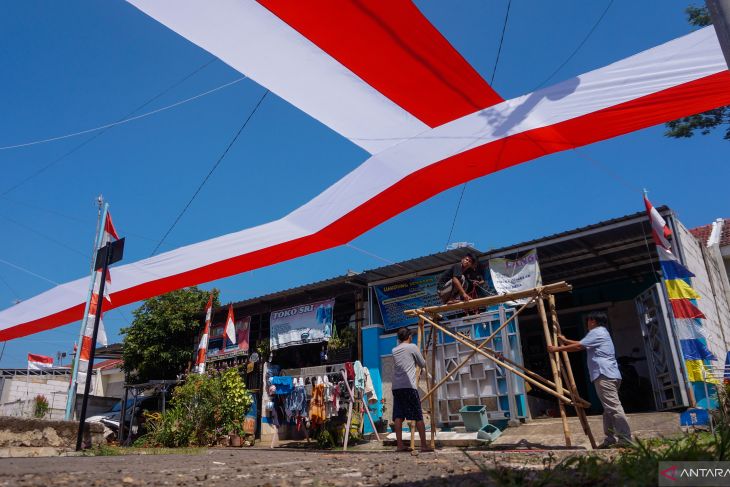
x=7, y=284
x=102, y=131
x=28, y=272
x=210, y=173
x=578, y=48
x=491, y=83
x=126, y=120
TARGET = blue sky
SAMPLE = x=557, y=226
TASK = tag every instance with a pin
x=74, y=65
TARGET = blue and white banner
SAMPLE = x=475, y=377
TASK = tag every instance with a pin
x=305, y=323
x=399, y=296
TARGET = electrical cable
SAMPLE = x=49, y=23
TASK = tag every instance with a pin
x=491, y=83
x=210, y=173
x=102, y=131
x=126, y=120
x=28, y=272
x=575, y=51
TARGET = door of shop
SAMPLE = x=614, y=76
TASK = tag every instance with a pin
x=661, y=349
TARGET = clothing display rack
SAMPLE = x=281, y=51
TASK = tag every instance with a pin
x=334, y=373
x=562, y=371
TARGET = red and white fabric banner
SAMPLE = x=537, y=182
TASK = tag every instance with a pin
x=39, y=362
x=203, y=345
x=418, y=150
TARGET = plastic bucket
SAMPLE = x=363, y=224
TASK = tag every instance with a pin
x=475, y=417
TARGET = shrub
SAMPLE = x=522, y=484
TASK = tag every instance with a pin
x=202, y=409
x=41, y=406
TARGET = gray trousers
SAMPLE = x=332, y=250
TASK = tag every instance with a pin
x=615, y=423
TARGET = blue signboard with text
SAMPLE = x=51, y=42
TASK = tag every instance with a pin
x=394, y=298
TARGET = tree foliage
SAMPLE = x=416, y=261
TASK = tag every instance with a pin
x=161, y=341
x=706, y=122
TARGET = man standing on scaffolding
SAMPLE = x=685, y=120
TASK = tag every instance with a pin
x=605, y=376
x=459, y=282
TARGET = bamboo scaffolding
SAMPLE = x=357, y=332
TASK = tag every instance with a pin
x=562, y=387
x=553, y=356
x=568, y=373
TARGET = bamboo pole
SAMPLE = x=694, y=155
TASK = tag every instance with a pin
x=480, y=345
x=412, y=424
x=555, y=288
x=500, y=362
x=432, y=377
x=568, y=373
x=554, y=367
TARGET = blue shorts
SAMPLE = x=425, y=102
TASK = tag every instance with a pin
x=407, y=405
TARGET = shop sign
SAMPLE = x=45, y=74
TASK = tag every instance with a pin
x=397, y=297
x=509, y=276
x=306, y=323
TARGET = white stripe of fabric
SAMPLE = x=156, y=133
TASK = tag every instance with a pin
x=254, y=41
x=691, y=57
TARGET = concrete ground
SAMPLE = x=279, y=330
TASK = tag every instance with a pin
x=279, y=467
x=548, y=433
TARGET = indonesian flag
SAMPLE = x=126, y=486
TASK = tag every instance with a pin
x=39, y=362
x=229, y=333
x=659, y=229
x=203, y=346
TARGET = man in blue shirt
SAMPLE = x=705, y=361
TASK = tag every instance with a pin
x=604, y=373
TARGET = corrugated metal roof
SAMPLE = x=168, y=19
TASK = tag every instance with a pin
x=611, y=248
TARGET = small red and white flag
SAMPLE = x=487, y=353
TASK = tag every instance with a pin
x=203, y=346
x=229, y=335
x=659, y=229
x=39, y=362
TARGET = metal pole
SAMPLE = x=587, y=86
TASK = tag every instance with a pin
x=720, y=13
x=122, y=415
x=92, y=352
x=71, y=396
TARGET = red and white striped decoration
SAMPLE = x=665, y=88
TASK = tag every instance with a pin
x=203, y=345
x=109, y=235
x=428, y=119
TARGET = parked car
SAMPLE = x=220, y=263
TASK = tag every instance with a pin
x=133, y=415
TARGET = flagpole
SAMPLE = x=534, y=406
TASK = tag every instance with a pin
x=71, y=395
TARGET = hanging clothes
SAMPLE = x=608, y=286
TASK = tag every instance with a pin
x=283, y=384
x=359, y=375
x=296, y=403
x=370, y=394
x=317, y=413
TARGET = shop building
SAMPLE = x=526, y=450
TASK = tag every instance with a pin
x=613, y=267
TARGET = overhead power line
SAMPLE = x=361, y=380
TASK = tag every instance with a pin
x=126, y=120
x=102, y=131
x=578, y=48
x=210, y=173
x=491, y=83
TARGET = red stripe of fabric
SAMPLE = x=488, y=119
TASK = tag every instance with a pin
x=32, y=357
x=679, y=101
x=395, y=49
x=85, y=353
